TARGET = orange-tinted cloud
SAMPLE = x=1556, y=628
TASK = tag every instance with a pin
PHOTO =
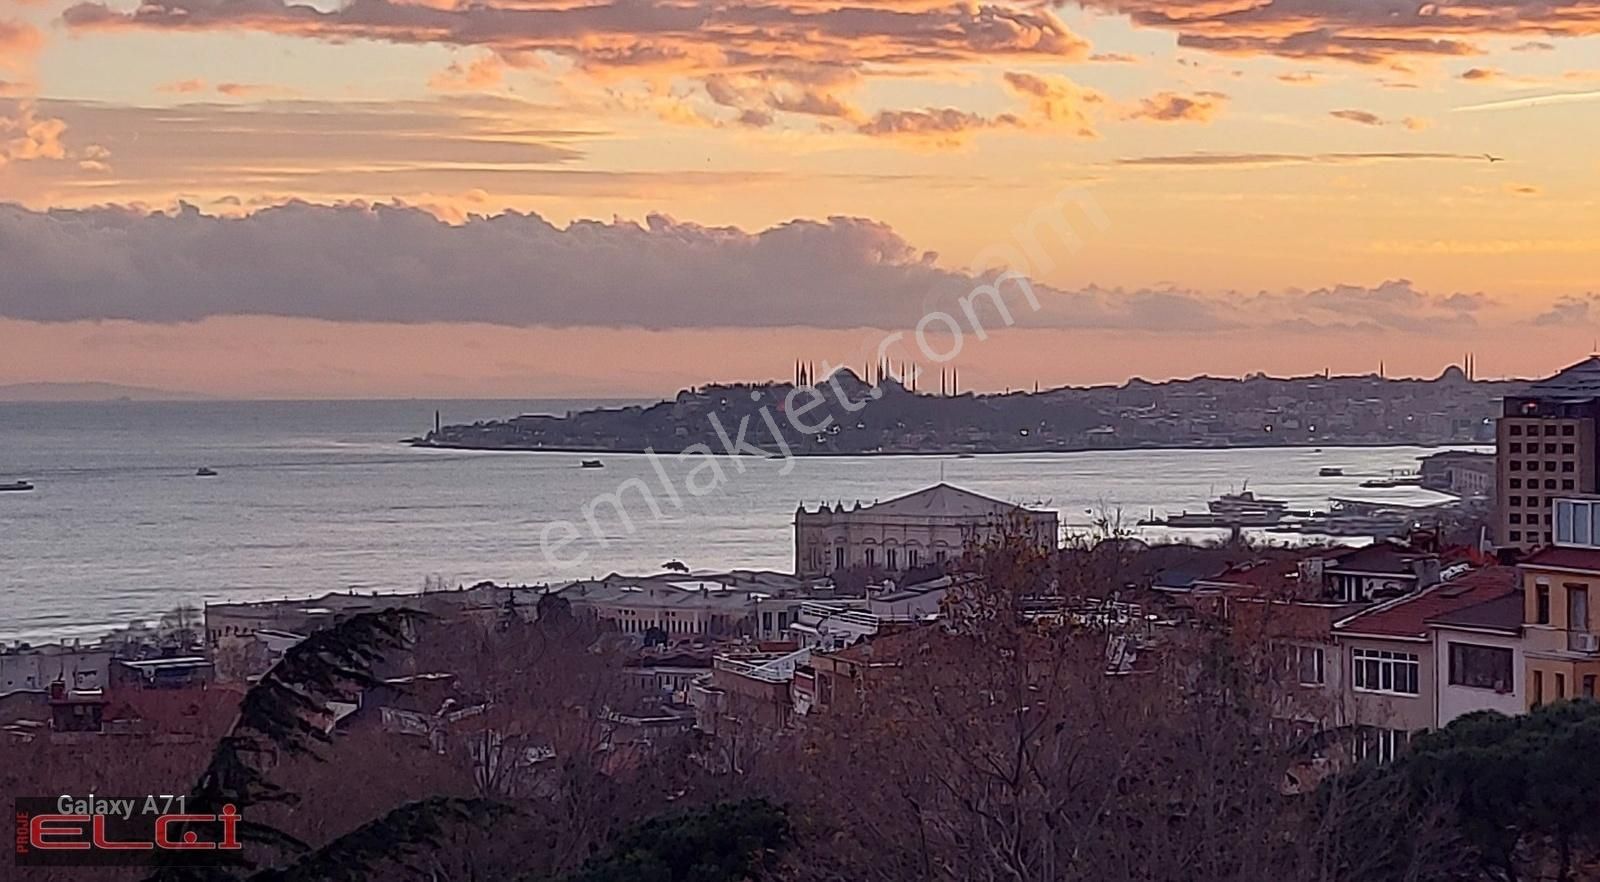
x=252, y=90
x=1174, y=107
x=485, y=73
x=1482, y=74
x=1057, y=101
x=1380, y=32
x=18, y=39
x=1364, y=117
x=635, y=34
x=25, y=135
x=183, y=87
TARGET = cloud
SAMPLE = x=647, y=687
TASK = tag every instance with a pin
x=253, y=90
x=635, y=35
x=1114, y=58
x=1057, y=101
x=1181, y=160
x=1416, y=123
x=1532, y=101
x=183, y=87
x=1173, y=107
x=1482, y=74
x=1391, y=33
x=486, y=72
x=1523, y=190
x=942, y=126
x=1534, y=46
x=18, y=38
x=1570, y=310
x=1298, y=78
x=393, y=264
x=25, y=135
x=1363, y=117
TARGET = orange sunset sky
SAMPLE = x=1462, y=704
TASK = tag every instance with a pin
x=544, y=198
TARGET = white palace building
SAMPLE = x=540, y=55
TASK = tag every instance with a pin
x=928, y=526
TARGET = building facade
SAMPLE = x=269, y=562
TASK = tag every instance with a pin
x=1561, y=633
x=1544, y=448
x=926, y=527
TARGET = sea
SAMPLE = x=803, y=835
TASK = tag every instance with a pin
x=313, y=497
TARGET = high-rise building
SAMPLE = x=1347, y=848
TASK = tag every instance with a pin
x=1544, y=448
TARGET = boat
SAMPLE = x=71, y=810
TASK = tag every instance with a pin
x=592, y=464
x=205, y=473
x=1246, y=503
x=16, y=487
x=1330, y=472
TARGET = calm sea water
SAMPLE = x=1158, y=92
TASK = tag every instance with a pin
x=322, y=496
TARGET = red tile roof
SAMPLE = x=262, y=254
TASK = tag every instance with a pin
x=1565, y=558
x=1408, y=616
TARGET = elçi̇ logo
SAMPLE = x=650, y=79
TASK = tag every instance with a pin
x=74, y=831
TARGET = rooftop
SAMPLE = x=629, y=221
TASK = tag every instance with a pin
x=942, y=500
x=1410, y=616
x=1504, y=613
x=1581, y=380
x=1565, y=557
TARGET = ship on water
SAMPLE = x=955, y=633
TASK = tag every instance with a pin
x=16, y=487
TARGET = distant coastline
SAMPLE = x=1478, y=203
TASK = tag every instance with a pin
x=1331, y=445
x=850, y=416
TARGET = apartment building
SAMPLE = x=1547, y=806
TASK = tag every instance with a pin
x=1545, y=448
x=1561, y=633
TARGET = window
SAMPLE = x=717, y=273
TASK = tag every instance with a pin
x=1549, y=483
x=1309, y=662
x=1516, y=465
x=1516, y=535
x=871, y=557
x=1480, y=667
x=1516, y=447
x=1538, y=688
x=1549, y=448
x=1516, y=518
x=1383, y=671
x=911, y=558
x=1567, y=466
x=1569, y=429
x=1561, y=686
x=1516, y=483
x=1379, y=745
x=1569, y=449
x=1516, y=429
x=1516, y=500
x=891, y=557
x=1567, y=484
x=1541, y=607
x=1577, y=522
x=1588, y=686
x=1549, y=428
x=838, y=557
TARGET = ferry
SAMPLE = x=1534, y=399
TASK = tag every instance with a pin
x=16, y=487
x=205, y=473
x=1246, y=503
x=592, y=464
x=1330, y=472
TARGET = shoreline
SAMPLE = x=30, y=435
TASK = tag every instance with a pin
x=1032, y=451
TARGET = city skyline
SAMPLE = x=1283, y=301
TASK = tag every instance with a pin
x=510, y=199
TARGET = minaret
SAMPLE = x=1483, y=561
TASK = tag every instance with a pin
x=436, y=422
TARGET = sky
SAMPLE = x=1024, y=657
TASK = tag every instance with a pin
x=552, y=198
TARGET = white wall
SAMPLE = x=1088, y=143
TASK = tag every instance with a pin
x=1455, y=701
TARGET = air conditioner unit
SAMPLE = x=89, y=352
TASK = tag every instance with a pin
x=1583, y=642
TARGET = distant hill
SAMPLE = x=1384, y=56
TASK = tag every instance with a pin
x=90, y=392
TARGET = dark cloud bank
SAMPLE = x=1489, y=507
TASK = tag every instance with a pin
x=400, y=264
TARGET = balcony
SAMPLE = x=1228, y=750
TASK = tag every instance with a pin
x=1584, y=642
